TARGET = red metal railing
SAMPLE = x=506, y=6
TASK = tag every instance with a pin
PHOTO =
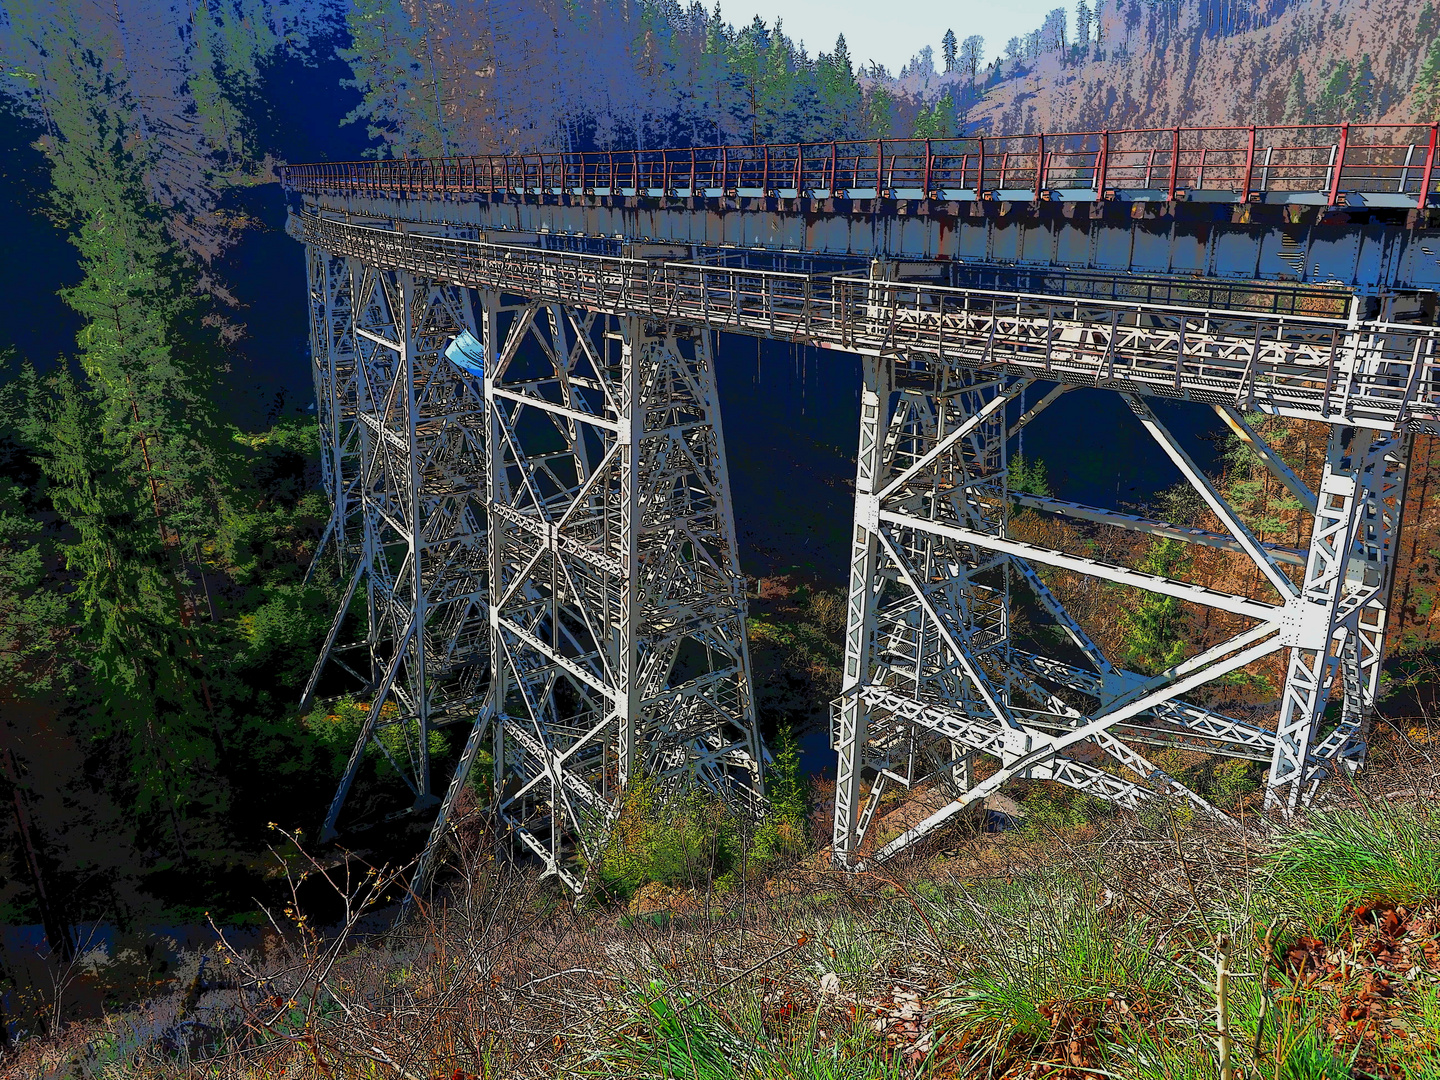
x=1328, y=160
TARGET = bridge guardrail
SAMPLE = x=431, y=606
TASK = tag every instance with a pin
x=1394, y=165
x=1376, y=374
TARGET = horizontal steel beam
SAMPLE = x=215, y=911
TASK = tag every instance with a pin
x=1135, y=523
x=1121, y=575
x=1374, y=375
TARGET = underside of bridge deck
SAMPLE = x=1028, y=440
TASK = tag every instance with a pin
x=525, y=457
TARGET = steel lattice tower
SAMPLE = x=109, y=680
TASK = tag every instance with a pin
x=415, y=420
x=618, y=608
x=545, y=534
x=592, y=554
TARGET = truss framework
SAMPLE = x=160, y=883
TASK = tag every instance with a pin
x=617, y=604
x=407, y=459
x=933, y=677
x=1378, y=375
x=548, y=550
x=334, y=371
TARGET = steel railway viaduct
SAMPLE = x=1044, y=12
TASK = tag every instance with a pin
x=515, y=375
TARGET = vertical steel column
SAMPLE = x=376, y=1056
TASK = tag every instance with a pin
x=333, y=363
x=418, y=555
x=625, y=627
x=1337, y=628
x=860, y=607
x=928, y=617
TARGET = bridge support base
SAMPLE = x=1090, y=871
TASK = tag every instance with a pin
x=617, y=605
x=936, y=677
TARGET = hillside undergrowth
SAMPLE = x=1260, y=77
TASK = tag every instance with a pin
x=1085, y=952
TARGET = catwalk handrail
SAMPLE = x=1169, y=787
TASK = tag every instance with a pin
x=1330, y=160
x=1373, y=374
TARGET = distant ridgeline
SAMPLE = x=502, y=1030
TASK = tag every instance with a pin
x=1159, y=63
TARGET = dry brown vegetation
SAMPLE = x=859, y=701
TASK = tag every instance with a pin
x=1078, y=952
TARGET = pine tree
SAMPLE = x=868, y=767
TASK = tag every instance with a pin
x=1297, y=105
x=145, y=682
x=1361, y=97
x=1083, y=18
x=1331, y=104
x=937, y=121
x=879, y=112
x=133, y=454
x=1425, y=96
x=1426, y=24
x=949, y=50
x=1052, y=32
x=34, y=619
x=1155, y=624
x=838, y=92
x=972, y=49
x=396, y=101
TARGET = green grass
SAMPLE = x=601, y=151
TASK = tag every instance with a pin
x=1420, y=1060
x=667, y=1035
x=1338, y=860
x=1042, y=959
x=1165, y=1056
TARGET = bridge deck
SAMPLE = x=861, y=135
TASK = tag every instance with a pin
x=1377, y=375
x=1361, y=166
x=1341, y=206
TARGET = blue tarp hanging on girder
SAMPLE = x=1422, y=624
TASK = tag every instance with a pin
x=467, y=353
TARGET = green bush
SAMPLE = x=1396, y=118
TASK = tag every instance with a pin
x=337, y=726
x=1031, y=477
x=1156, y=626
x=783, y=831
x=284, y=633
x=675, y=839
x=695, y=840
x=1050, y=808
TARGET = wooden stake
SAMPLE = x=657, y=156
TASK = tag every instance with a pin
x=1223, y=949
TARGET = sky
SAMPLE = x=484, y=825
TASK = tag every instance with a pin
x=879, y=32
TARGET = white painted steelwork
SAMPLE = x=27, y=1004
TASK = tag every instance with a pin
x=413, y=426
x=566, y=512
x=614, y=601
